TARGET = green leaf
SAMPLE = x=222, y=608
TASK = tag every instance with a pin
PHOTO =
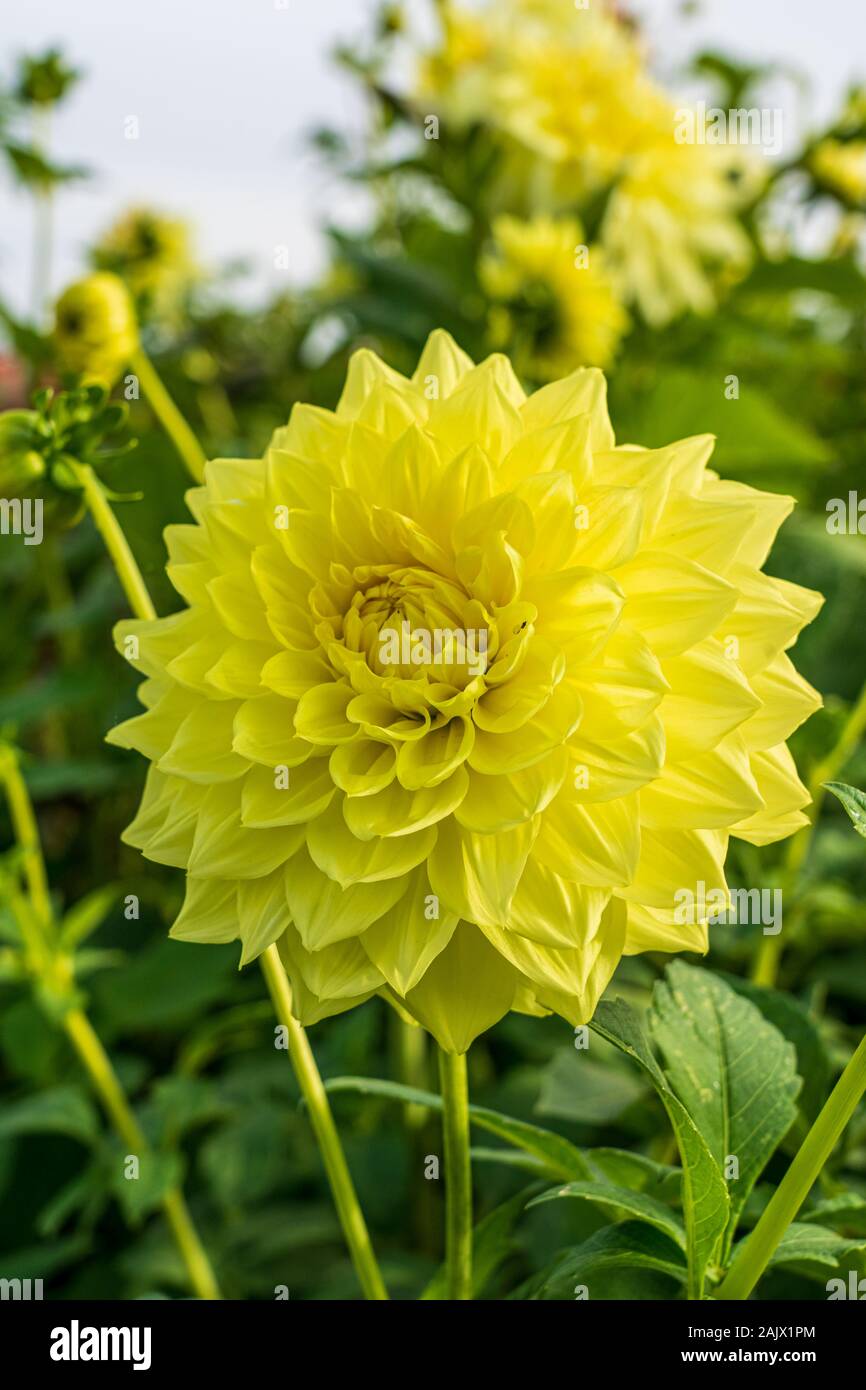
x=794, y=1022
x=630, y=1245
x=560, y=1157
x=757, y=440
x=157, y=1174
x=635, y=1170
x=854, y=802
x=620, y=1199
x=847, y=1209
x=491, y=1246
x=576, y=1087
x=178, y=1104
x=33, y=169
x=705, y=1195
x=733, y=1071
x=61, y=1110
x=46, y=1258
x=87, y=914
x=840, y=277
x=813, y=1249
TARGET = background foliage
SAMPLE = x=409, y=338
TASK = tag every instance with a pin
x=192, y=1037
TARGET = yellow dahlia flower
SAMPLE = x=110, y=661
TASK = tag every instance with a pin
x=561, y=310
x=567, y=87
x=841, y=166
x=668, y=229
x=578, y=114
x=463, y=694
x=95, y=329
x=151, y=253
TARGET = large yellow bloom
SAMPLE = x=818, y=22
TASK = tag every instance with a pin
x=468, y=829
x=555, y=299
x=568, y=93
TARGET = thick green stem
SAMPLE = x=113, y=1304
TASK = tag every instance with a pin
x=116, y=544
x=756, y=1251
x=104, y=1079
x=26, y=834
x=168, y=415
x=315, y=1096
x=458, y=1174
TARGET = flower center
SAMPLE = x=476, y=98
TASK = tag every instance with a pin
x=413, y=623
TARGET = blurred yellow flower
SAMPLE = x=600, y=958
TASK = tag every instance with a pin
x=668, y=230
x=95, y=328
x=152, y=254
x=569, y=95
x=560, y=309
x=465, y=695
x=841, y=166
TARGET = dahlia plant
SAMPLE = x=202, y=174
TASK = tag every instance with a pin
x=579, y=117
x=463, y=696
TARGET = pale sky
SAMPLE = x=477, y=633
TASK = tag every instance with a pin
x=225, y=90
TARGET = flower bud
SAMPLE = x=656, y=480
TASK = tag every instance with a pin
x=95, y=331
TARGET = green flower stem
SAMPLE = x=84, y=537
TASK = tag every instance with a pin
x=302, y=1057
x=310, y=1082
x=43, y=232
x=116, y=543
x=104, y=1079
x=458, y=1174
x=168, y=415
x=79, y=1029
x=765, y=969
x=757, y=1250
x=26, y=833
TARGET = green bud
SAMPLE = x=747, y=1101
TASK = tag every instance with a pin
x=19, y=470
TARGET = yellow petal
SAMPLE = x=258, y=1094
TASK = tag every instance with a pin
x=209, y=913
x=709, y=697
x=597, y=845
x=272, y=797
x=441, y=366
x=325, y=912
x=263, y=913
x=788, y=700
x=201, y=749
x=264, y=733
x=784, y=796
x=476, y=875
x=582, y=393
x=407, y=938
x=674, y=859
x=223, y=848
x=673, y=602
x=501, y=802
x=467, y=988
x=347, y=860
x=321, y=714
x=707, y=791
x=394, y=811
